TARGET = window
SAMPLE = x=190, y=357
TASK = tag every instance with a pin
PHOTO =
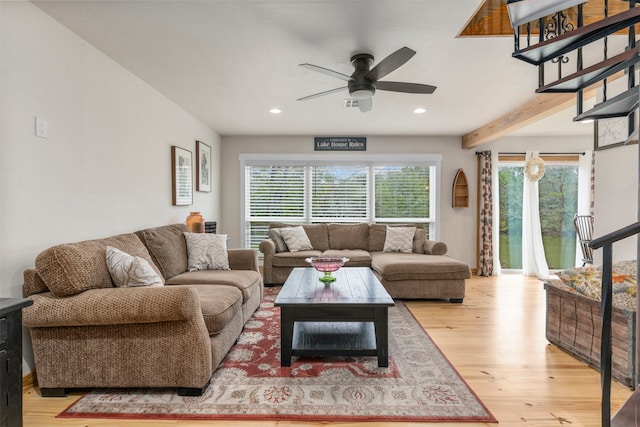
x=383, y=189
x=558, y=203
x=339, y=193
x=402, y=192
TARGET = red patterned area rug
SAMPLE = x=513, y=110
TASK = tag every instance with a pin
x=419, y=385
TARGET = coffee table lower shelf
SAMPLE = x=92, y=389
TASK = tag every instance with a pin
x=330, y=339
x=355, y=331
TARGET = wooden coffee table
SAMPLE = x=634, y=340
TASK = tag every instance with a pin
x=348, y=317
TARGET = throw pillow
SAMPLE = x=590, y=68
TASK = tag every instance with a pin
x=207, y=251
x=274, y=234
x=399, y=239
x=296, y=239
x=128, y=270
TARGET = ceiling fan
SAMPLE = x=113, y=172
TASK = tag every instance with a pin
x=364, y=82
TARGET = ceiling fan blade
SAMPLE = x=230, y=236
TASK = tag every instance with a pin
x=365, y=104
x=405, y=87
x=327, y=92
x=390, y=63
x=327, y=71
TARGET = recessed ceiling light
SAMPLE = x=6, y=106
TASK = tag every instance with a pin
x=275, y=111
x=420, y=110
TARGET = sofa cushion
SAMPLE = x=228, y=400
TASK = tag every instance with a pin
x=293, y=259
x=378, y=233
x=349, y=236
x=400, y=266
x=296, y=239
x=207, y=251
x=33, y=283
x=274, y=234
x=399, y=239
x=130, y=271
x=357, y=257
x=219, y=304
x=419, y=240
x=244, y=280
x=69, y=269
x=167, y=247
x=317, y=234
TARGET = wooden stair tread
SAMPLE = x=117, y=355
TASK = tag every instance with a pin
x=588, y=76
x=571, y=40
x=619, y=106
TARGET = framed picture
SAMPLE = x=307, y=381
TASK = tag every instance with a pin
x=181, y=173
x=615, y=132
x=203, y=167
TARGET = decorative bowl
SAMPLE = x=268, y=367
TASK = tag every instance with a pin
x=327, y=265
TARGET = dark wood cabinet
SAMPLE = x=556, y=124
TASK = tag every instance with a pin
x=11, y=361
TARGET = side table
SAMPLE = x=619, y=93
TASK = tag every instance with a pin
x=11, y=361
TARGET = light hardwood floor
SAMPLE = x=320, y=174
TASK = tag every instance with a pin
x=495, y=339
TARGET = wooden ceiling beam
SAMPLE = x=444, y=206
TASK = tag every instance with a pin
x=540, y=106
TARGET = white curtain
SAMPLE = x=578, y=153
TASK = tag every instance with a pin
x=533, y=258
x=495, y=184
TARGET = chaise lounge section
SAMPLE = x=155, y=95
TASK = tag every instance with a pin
x=425, y=272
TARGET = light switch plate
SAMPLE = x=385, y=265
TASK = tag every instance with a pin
x=41, y=127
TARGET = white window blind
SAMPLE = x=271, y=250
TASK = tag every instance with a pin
x=339, y=193
x=274, y=193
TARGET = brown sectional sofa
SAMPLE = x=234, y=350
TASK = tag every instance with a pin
x=86, y=333
x=427, y=273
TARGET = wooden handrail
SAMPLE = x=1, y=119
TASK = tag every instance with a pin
x=614, y=236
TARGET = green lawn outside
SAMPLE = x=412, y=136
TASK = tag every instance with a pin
x=559, y=250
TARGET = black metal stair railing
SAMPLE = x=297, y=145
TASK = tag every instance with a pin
x=606, y=243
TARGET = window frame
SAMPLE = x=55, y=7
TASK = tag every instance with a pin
x=370, y=160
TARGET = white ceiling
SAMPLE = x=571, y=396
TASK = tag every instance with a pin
x=229, y=62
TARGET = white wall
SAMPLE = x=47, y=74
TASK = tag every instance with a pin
x=616, y=189
x=458, y=225
x=105, y=167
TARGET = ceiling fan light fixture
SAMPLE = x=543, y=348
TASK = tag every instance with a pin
x=523, y=11
x=362, y=93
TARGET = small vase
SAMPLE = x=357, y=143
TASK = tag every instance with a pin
x=195, y=222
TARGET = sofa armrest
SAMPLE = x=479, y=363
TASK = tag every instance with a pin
x=434, y=247
x=243, y=259
x=113, y=306
x=267, y=247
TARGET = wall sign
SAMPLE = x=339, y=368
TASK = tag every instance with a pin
x=340, y=143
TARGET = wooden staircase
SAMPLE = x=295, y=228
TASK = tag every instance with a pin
x=549, y=49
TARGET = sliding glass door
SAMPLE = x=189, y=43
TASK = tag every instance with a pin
x=558, y=199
